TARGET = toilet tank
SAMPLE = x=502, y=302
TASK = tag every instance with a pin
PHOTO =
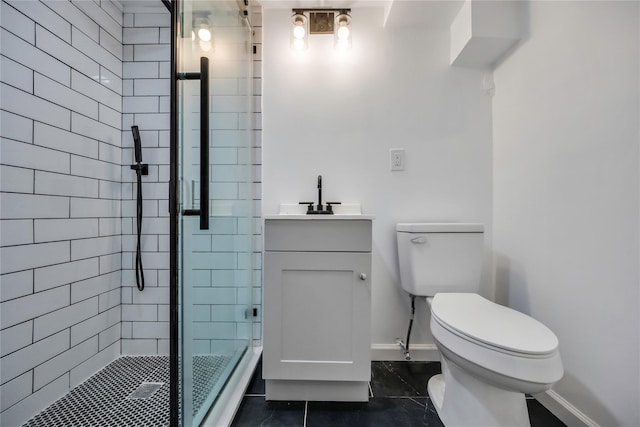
x=440, y=257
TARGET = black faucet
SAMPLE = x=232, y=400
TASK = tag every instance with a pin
x=319, y=206
x=320, y=209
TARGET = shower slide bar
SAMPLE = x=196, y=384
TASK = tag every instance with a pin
x=203, y=76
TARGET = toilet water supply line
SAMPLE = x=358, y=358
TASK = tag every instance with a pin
x=141, y=169
x=405, y=345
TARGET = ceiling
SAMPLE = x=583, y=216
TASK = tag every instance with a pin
x=126, y=3
x=320, y=4
x=130, y=4
x=401, y=13
x=422, y=13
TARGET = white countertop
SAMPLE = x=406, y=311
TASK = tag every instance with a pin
x=298, y=211
x=319, y=217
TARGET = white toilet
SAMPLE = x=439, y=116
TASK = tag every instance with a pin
x=491, y=354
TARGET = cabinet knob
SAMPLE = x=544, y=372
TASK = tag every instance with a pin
x=363, y=276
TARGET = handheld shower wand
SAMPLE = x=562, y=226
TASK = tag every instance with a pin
x=141, y=169
x=137, y=144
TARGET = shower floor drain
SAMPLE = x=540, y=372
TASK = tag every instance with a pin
x=130, y=391
x=145, y=390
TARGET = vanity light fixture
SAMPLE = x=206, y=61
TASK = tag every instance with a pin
x=334, y=22
x=202, y=31
x=342, y=32
x=300, y=31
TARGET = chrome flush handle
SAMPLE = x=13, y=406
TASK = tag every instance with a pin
x=420, y=240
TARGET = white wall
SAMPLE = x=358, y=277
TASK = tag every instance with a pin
x=338, y=116
x=60, y=228
x=146, y=102
x=565, y=119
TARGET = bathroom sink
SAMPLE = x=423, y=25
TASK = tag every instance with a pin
x=297, y=211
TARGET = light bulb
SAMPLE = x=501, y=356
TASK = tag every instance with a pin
x=299, y=32
x=342, y=35
x=342, y=44
x=204, y=34
x=206, y=46
x=343, y=32
x=298, y=44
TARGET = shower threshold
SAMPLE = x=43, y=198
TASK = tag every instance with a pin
x=105, y=399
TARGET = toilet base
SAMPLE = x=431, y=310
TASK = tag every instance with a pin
x=460, y=399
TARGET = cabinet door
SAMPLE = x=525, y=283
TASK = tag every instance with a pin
x=317, y=316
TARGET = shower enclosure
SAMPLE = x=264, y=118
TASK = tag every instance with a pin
x=81, y=343
x=211, y=206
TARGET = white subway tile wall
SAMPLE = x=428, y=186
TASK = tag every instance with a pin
x=61, y=202
x=146, y=90
x=142, y=329
x=75, y=76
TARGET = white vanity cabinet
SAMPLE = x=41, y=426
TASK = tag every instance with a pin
x=317, y=308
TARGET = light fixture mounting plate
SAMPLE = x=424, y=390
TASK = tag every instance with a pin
x=321, y=22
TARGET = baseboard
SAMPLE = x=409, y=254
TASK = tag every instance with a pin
x=418, y=352
x=317, y=391
x=565, y=411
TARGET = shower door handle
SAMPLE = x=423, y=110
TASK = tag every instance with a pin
x=203, y=76
x=204, y=143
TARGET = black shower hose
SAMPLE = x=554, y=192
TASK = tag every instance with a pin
x=139, y=270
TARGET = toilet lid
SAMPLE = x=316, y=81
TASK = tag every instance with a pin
x=478, y=318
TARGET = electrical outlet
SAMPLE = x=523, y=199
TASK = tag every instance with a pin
x=397, y=159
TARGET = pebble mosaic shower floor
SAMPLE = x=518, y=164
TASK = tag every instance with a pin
x=130, y=391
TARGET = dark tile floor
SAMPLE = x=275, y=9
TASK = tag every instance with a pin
x=399, y=398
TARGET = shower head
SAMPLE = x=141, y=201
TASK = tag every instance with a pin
x=137, y=144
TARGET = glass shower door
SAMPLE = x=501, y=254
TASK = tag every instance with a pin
x=214, y=214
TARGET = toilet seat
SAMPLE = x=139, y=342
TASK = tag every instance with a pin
x=465, y=337
x=491, y=325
